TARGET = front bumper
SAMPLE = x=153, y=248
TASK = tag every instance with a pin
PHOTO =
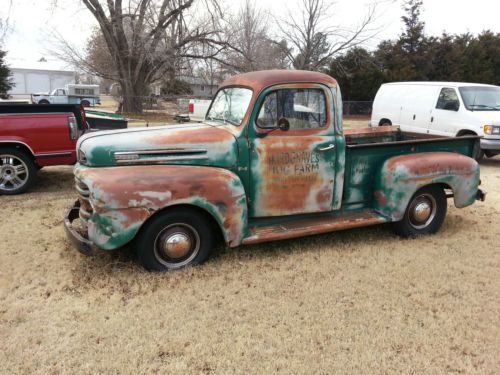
x=82, y=244
x=490, y=144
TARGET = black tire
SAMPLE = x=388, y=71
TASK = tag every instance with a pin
x=43, y=101
x=425, y=213
x=190, y=236
x=385, y=122
x=85, y=103
x=17, y=171
x=490, y=154
x=478, y=155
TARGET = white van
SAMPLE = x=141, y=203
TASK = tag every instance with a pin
x=442, y=108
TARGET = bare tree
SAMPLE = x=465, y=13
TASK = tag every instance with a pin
x=249, y=44
x=145, y=41
x=4, y=21
x=313, y=38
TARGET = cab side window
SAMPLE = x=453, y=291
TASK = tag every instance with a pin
x=448, y=100
x=303, y=108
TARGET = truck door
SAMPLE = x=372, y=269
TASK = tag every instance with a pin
x=58, y=97
x=446, y=113
x=292, y=151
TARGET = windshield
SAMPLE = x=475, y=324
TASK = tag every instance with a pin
x=481, y=98
x=230, y=105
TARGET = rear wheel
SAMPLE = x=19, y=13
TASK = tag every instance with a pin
x=385, y=122
x=425, y=213
x=17, y=171
x=174, y=240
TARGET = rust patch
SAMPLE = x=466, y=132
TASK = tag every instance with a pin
x=430, y=163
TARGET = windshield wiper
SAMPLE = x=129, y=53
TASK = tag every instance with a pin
x=495, y=108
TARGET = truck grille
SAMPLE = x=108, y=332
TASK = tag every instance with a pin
x=86, y=209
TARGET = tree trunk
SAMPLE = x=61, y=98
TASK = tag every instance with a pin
x=132, y=98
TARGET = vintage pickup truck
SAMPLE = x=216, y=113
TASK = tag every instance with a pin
x=271, y=161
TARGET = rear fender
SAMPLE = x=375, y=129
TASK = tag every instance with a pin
x=401, y=176
x=123, y=198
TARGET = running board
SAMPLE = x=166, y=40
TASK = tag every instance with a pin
x=307, y=227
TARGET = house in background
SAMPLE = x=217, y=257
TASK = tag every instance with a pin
x=200, y=86
x=40, y=76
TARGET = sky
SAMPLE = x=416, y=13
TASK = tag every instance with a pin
x=33, y=22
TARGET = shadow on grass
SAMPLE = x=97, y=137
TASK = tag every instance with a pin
x=54, y=180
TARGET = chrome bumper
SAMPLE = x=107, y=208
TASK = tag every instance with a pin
x=82, y=244
x=490, y=144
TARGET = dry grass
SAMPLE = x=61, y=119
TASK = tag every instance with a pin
x=361, y=301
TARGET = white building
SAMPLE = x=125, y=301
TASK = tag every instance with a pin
x=41, y=76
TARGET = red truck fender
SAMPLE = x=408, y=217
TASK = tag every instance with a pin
x=400, y=177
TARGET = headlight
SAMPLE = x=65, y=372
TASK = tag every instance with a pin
x=82, y=158
x=491, y=130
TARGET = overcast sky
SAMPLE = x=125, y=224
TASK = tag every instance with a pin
x=32, y=21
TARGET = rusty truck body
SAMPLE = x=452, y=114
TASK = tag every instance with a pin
x=271, y=161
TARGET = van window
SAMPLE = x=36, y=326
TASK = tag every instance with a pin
x=448, y=100
x=303, y=108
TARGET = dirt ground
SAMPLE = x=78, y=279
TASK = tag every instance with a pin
x=361, y=301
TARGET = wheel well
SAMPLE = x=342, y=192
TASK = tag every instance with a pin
x=18, y=146
x=217, y=230
x=384, y=121
x=465, y=132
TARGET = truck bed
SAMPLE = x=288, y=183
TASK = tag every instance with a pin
x=368, y=148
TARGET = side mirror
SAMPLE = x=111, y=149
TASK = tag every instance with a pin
x=283, y=124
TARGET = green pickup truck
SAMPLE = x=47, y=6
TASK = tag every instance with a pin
x=271, y=161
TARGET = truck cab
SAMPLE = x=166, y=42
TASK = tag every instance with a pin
x=271, y=161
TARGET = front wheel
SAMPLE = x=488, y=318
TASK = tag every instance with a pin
x=425, y=213
x=173, y=240
x=17, y=171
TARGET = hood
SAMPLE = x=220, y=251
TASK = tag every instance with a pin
x=192, y=144
x=486, y=117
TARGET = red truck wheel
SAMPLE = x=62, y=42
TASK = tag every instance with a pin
x=174, y=240
x=425, y=213
x=17, y=171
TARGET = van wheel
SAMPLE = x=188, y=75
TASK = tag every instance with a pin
x=17, y=171
x=490, y=154
x=174, y=240
x=385, y=122
x=425, y=213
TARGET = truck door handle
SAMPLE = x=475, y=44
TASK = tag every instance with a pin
x=331, y=146
x=432, y=119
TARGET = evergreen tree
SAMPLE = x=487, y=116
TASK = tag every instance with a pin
x=5, y=80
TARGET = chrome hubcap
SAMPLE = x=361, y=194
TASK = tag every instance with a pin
x=177, y=245
x=13, y=172
x=422, y=211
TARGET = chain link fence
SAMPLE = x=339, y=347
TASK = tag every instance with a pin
x=357, y=108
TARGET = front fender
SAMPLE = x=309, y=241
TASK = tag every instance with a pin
x=123, y=198
x=401, y=176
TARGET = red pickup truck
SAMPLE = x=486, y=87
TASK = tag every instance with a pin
x=35, y=136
